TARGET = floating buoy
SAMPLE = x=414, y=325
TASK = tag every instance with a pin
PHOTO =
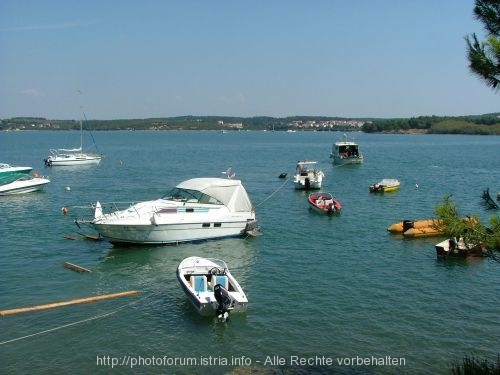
x=67, y=188
x=416, y=186
x=64, y=210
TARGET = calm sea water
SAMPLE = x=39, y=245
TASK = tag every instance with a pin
x=334, y=287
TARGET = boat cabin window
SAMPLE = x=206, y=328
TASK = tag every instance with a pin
x=191, y=196
x=349, y=150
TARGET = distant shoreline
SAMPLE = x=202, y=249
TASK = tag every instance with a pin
x=488, y=124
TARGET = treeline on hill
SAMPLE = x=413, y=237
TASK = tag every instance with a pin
x=488, y=124
x=172, y=123
x=484, y=125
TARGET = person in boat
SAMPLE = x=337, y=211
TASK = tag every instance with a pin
x=452, y=244
x=299, y=167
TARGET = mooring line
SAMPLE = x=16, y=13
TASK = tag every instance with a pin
x=274, y=192
x=73, y=323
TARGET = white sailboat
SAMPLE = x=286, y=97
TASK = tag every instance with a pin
x=74, y=156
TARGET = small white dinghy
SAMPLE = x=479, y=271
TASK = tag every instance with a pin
x=210, y=287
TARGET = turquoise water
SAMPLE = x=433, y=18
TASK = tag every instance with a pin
x=319, y=287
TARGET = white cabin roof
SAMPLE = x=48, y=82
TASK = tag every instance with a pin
x=230, y=192
x=201, y=184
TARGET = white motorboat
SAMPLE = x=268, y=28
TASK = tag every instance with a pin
x=196, y=209
x=346, y=152
x=72, y=157
x=24, y=184
x=9, y=173
x=307, y=176
x=456, y=247
x=210, y=287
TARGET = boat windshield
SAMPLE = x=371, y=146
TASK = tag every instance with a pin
x=190, y=196
x=349, y=150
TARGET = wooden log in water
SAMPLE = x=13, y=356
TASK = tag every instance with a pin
x=74, y=267
x=67, y=303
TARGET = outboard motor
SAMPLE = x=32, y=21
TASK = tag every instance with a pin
x=223, y=302
x=307, y=183
x=407, y=224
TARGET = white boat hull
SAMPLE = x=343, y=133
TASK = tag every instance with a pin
x=54, y=161
x=303, y=185
x=339, y=159
x=169, y=233
x=309, y=181
x=23, y=186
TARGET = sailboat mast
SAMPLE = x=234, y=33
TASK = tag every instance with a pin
x=81, y=129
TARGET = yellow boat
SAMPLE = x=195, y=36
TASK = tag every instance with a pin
x=422, y=228
x=400, y=226
x=423, y=232
x=385, y=185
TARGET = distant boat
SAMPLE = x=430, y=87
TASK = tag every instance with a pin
x=9, y=173
x=385, y=185
x=346, y=152
x=324, y=203
x=25, y=183
x=72, y=157
x=453, y=247
x=307, y=177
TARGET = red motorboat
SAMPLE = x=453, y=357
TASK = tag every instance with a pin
x=324, y=202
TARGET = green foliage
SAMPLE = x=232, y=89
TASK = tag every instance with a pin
x=484, y=57
x=470, y=228
x=461, y=126
x=484, y=125
x=481, y=124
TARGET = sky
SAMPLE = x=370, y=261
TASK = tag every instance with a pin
x=164, y=58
